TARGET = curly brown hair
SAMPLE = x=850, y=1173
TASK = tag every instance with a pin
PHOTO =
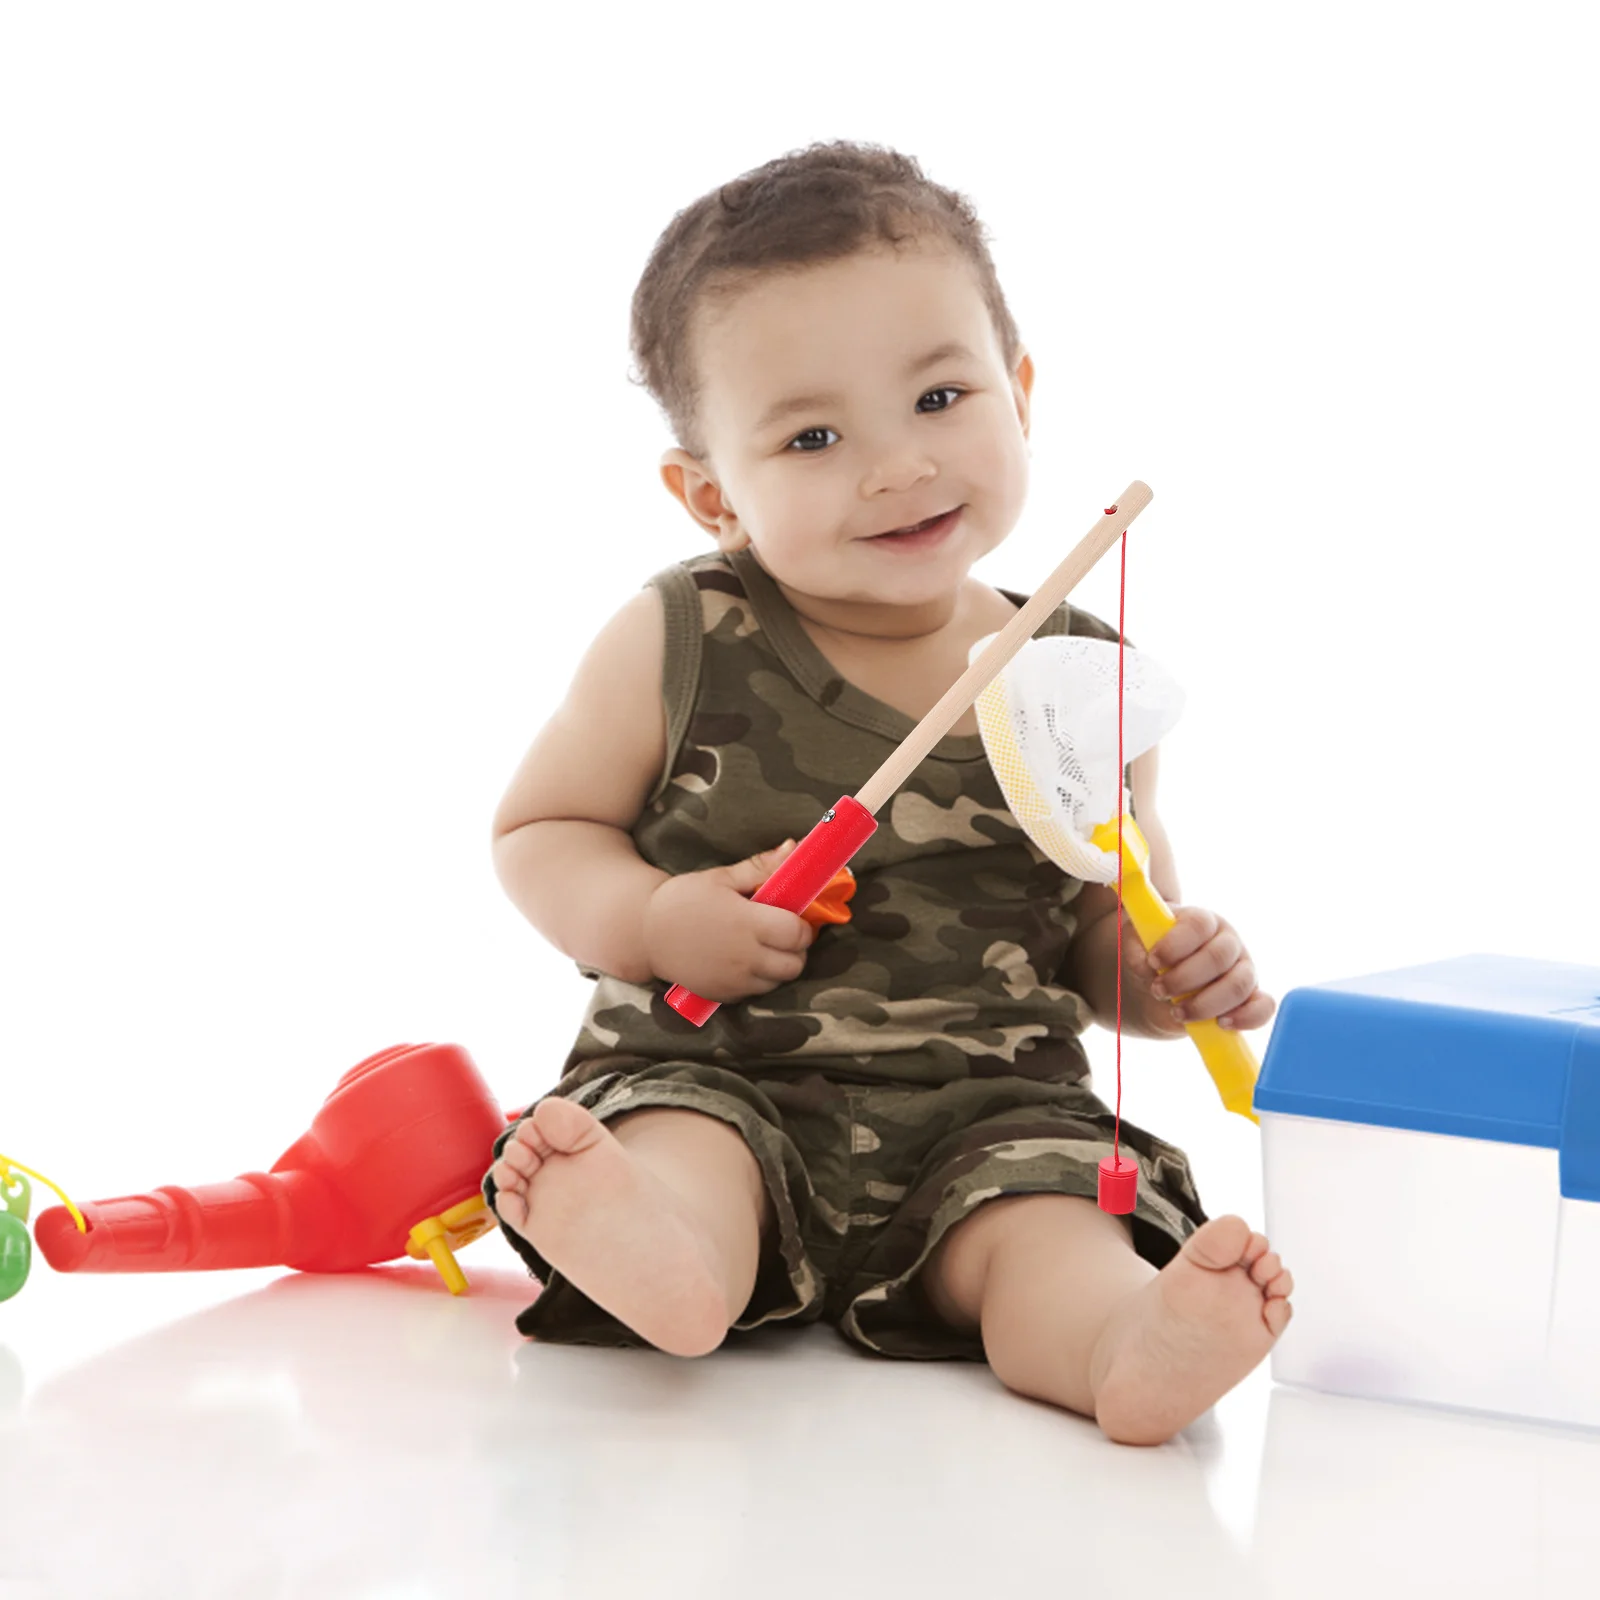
x=823, y=203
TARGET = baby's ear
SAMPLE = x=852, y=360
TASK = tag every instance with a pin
x=700, y=494
x=678, y=471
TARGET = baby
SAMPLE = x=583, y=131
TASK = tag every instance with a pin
x=888, y=1123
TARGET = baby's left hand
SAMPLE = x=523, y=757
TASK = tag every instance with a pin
x=1203, y=969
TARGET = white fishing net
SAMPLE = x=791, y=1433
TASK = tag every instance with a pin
x=1049, y=727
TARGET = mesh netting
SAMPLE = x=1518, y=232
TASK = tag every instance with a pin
x=1049, y=726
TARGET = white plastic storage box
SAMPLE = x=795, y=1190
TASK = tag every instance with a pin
x=1431, y=1139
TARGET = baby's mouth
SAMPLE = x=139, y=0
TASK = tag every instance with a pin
x=934, y=526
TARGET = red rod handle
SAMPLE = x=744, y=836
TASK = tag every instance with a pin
x=797, y=882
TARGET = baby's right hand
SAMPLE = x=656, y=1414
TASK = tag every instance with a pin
x=700, y=930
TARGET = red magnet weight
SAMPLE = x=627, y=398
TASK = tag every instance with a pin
x=1119, y=1185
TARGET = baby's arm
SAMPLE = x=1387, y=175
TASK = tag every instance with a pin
x=563, y=850
x=1163, y=868
x=561, y=844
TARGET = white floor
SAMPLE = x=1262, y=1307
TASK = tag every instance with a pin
x=265, y=1434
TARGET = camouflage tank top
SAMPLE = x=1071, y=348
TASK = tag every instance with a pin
x=949, y=963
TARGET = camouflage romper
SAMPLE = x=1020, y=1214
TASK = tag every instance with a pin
x=925, y=1061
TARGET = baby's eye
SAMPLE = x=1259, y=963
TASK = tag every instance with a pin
x=806, y=435
x=945, y=389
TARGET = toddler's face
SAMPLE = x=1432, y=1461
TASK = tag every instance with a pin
x=881, y=437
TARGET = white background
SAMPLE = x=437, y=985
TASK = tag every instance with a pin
x=319, y=464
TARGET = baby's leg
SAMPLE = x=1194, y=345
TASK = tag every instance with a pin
x=1068, y=1313
x=657, y=1216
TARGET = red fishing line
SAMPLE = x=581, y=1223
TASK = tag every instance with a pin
x=1122, y=609
x=1119, y=1179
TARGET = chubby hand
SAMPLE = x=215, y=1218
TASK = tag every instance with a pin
x=1198, y=970
x=702, y=931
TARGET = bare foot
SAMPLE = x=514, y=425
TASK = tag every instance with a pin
x=611, y=1228
x=1176, y=1346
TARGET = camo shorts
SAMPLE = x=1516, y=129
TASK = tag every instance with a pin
x=865, y=1180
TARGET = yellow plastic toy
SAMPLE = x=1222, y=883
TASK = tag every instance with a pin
x=436, y=1239
x=1063, y=785
x=16, y=1245
x=1228, y=1058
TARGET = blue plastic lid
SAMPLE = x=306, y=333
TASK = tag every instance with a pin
x=1485, y=1047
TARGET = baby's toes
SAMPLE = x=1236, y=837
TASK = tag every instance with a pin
x=511, y=1195
x=1280, y=1287
x=1276, y=1313
x=1218, y=1244
x=526, y=1149
x=563, y=1127
x=1253, y=1252
x=509, y=1174
x=1265, y=1268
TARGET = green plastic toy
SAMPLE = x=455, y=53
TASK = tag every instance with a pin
x=16, y=1244
x=16, y=1247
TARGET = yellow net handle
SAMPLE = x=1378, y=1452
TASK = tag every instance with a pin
x=1228, y=1057
x=6, y=1164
